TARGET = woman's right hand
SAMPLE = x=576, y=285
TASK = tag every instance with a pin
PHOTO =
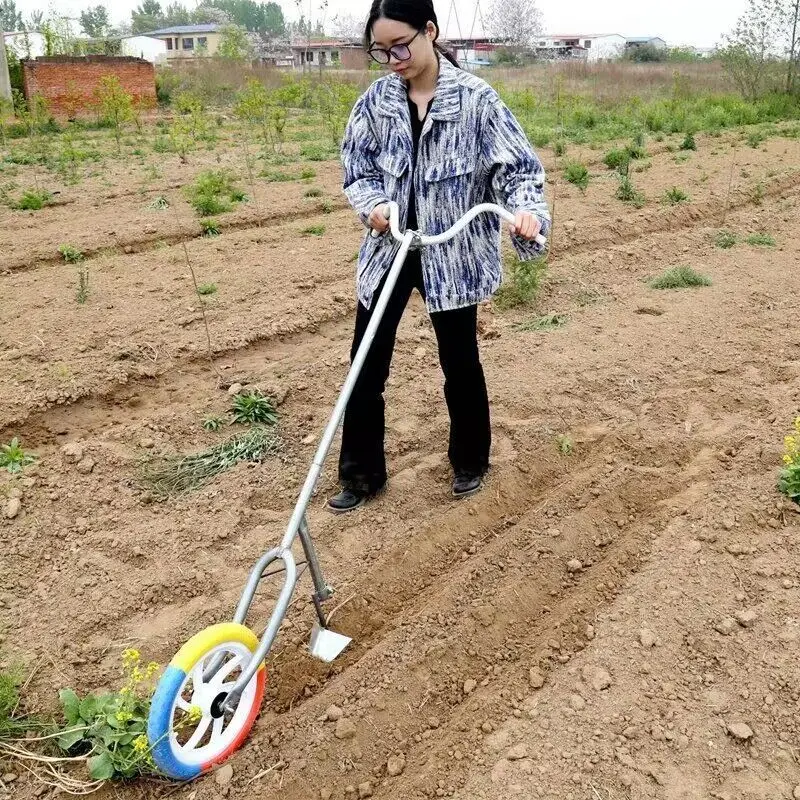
x=378, y=218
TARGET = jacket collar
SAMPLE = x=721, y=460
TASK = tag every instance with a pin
x=446, y=101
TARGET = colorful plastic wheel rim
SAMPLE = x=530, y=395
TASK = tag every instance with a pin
x=187, y=729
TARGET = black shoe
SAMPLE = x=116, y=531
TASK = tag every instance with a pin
x=467, y=484
x=347, y=500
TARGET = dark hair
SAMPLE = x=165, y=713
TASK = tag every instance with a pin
x=415, y=13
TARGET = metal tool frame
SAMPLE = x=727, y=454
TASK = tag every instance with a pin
x=298, y=524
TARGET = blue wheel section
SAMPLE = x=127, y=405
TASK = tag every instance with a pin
x=159, y=727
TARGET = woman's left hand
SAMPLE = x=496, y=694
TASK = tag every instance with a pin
x=525, y=225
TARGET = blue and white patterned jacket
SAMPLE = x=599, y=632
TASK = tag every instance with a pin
x=472, y=150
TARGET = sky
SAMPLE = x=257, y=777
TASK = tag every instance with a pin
x=693, y=22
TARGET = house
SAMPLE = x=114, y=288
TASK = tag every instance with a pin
x=334, y=53
x=189, y=41
x=633, y=42
x=584, y=46
x=26, y=44
x=146, y=47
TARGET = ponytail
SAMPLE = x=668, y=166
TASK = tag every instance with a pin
x=442, y=52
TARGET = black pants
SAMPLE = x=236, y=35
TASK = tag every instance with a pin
x=362, y=462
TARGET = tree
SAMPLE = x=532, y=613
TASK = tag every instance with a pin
x=346, y=26
x=116, y=106
x=792, y=12
x=35, y=20
x=753, y=45
x=95, y=22
x=515, y=22
x=148, y=16
x=264, y=18
x=234, y=44
x=646, y=54
x=10, y=18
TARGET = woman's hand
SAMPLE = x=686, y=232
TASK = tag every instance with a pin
x=526, y=225
x=378, y=218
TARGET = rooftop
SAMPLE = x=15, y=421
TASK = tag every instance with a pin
x=185, y=29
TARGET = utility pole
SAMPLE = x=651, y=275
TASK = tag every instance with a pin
x=5, y=78
x=793, y=49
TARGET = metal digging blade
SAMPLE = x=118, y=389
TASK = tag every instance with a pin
x=327, y=645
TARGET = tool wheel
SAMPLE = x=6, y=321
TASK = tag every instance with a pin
x=188, y=729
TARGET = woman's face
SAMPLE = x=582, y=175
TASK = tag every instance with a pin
x=415, y=48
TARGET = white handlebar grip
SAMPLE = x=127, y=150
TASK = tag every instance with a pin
x=386, y=213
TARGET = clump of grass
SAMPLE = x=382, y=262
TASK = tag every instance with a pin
x=308, y=174
x=628, y=193
x=577, y=174
x=13, y=458
x=314, y=152
x=214, y=422
x=675, y=196
x=755, y=139
x=314, y=230
x=560, y=147
x=276, y=176
x=757, y=194
x=179, y=474
x=548, y=322
x=761, y=240
x=33, y=200
x=210, y=227
x=523, y=280
x=251, y=408
x=159, y=204
x=565, y=444
x=327, y=206
x=70, y=254
x=689, y=142
x=725, y=240
x=206, y=289
x=314, y=191
x=680, y=278
x=213, y=192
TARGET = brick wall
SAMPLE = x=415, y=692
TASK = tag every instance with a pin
x=68, y=84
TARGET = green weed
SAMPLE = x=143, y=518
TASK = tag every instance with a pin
x=675, y=196
x=578, y=175
x=522, y=283
x=761, y=240
x=680, y=278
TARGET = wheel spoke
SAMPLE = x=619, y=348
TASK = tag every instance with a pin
x=226, y=669
x=199, y=733
x=216, y=731
x=182, y=704
x=197, y=676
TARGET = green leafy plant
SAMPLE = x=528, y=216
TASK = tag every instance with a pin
x=276, y=176
x=761, y=240
x=560, y=147
x=251, y=408
x=314, y=230
x=314, y=191
x=617, y=159
x=116, y=106
x=675, y=196
x=577, y=174
x=689, y=142
x=680, y=278
x=755, y=139
x=725, y=240
x=565, y=444
x=83, y=285
x=178, y=474
x=13, y=458
x=757, y=194
x=213, y=192
x=789, y=481
x=33, y=200
x=308, y=174
x=522, y=282
x=213, y=422
x=70, y=254
x=210, y=227
x=112, y=728
x=628, y=193
x=206, y=289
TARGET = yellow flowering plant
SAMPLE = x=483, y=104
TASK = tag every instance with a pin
x=789, y=482
x=112, y=728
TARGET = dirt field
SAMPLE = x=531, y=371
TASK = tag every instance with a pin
x=592, y=625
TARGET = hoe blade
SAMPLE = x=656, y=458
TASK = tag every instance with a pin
x=327, y=645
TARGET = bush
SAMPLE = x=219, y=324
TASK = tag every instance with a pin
x=213, y=192
x=578, y=175
x=617, y=159
x=522, y=283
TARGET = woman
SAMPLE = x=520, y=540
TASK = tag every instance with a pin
x=436, y=140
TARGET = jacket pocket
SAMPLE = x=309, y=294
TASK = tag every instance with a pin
x=393, y=164
x=450, y=168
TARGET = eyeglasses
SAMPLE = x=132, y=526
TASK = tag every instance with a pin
x=400, y=51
